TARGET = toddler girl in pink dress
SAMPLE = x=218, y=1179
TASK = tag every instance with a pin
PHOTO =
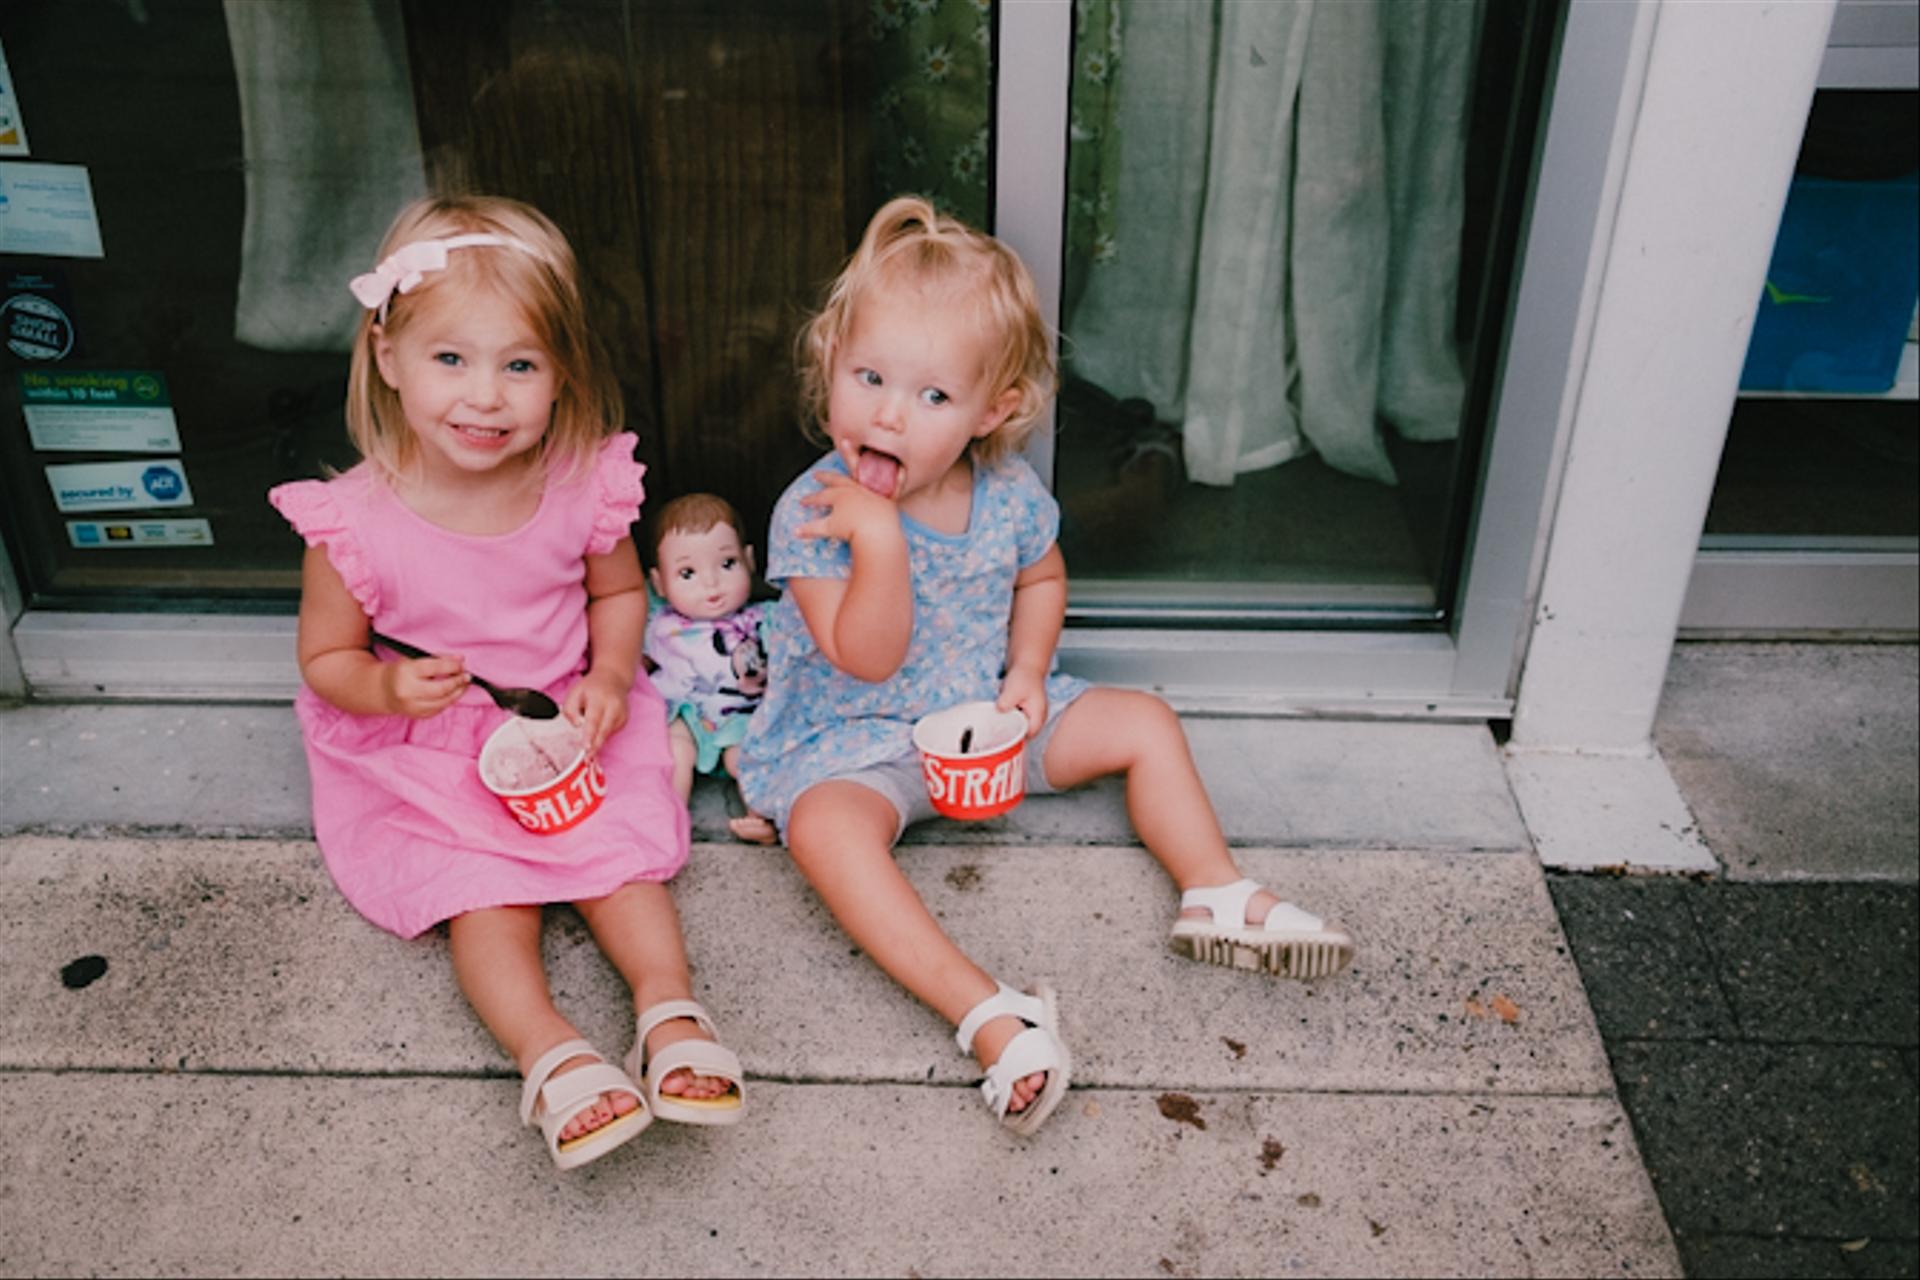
x=488, y=524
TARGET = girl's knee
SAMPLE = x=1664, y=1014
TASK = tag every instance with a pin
x=1142, y=721
x=838, y=819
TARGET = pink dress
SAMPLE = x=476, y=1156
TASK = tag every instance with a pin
x=407, y=830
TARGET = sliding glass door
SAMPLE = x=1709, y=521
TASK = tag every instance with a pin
x=1313, y=356
x=1289, y=227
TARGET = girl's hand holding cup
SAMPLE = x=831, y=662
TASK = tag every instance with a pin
x=422, y=687
x=1025, y=691
x=598, y=705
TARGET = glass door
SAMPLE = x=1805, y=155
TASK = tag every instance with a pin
x=1814, y=524
x=1372, y=521
x=1289, y=228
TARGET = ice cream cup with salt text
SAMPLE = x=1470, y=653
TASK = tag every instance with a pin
x=540, y=771
x=974, y=757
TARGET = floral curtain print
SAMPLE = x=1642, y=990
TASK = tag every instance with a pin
x=1093, y=150
x=932, y=65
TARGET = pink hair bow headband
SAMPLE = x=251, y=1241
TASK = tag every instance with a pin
x=406, y=266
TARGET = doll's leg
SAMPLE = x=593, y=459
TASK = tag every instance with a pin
x=638, y=930
x=841, y=837
x=680, y=743
x=496, y=957
x=749, y=826
x=1119, y=731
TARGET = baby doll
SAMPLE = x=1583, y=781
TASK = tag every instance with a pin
x=704, y=646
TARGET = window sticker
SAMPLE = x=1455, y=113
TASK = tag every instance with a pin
x=47, y=210
x=13, y=134
x=99, y=410
x=113, y=534
x=115, y=486
x=37, y=325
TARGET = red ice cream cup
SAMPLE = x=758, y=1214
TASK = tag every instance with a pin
x=974, y=757
x=560, y=802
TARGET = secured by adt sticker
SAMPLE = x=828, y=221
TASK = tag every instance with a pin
x=118, y=486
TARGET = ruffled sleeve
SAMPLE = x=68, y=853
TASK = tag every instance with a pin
x=313, y=508
x=616, y=479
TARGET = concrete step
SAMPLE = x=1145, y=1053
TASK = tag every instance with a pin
x=203, y=1174
x=188, y=770
x=240, y=956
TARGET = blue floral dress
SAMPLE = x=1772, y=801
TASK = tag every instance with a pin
x=818, y=722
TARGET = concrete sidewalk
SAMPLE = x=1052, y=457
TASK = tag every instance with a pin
x=214, y=1066
x=260, y=1082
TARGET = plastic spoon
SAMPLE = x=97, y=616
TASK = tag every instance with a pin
x=531, y=703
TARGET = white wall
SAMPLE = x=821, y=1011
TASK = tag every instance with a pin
x=1706, y=168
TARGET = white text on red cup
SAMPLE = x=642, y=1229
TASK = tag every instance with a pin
x=973, y=787
x=560, y=809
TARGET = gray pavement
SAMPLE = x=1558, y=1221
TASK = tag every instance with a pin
x=1762, y=1024
x=260, y=1083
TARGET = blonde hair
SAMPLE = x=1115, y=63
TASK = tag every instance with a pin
x=544, y=283
x=690, y=513
x=909, y=242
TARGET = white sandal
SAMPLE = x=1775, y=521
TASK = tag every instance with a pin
x=561, y=1098
x=1038, y=1048
x=1289, y=942
x=702, y=1057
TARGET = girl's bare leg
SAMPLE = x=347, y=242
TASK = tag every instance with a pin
x=1136, y=735
x=638, y=930
x=496, y=957
x=841, y=837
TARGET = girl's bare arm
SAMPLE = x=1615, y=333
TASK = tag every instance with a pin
x=1033, y=633
x=864, y=622
x=337, y=664
x=1039, y=613
x=616, y=626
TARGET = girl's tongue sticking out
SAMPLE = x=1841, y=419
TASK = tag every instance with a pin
x=879, y=472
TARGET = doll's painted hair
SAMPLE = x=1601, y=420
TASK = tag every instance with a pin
x=910, y=243
x=690, y=513
x=539, y=274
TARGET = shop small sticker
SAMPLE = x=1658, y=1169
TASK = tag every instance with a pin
x=112, y=486
x=35, y=327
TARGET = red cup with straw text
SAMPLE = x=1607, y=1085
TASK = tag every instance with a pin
x=974, y=758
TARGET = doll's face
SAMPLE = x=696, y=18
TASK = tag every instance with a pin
x=704, y=575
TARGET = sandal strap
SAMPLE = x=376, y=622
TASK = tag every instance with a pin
x=1227, y=903
x=1288, y=918
x=702, y=1057
x=566, y=1096
x=1035, y=1049
x=667, y=1011
x=544, y=1067
x=1006, y=1001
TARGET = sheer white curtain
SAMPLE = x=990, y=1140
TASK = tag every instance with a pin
x=1290, y=180
x=332, y=151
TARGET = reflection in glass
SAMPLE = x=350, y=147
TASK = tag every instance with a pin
x=711, y=163
x=1269, y=331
